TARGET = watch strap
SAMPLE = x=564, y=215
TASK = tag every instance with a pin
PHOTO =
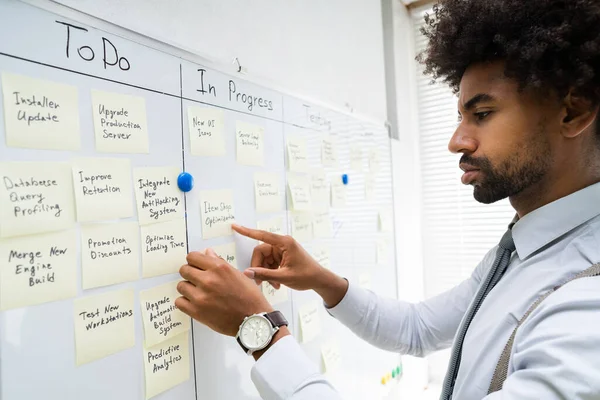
x=276, y=319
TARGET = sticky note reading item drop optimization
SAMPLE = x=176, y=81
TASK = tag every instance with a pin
x=35, y=197
x=157, y=195
x=297, y=154
x=38, y=269
x=216, y=210
x=266, y=192
x=310, y=323
x=120, y=123
x=40, y=114
x=164, y=247
x=162, y=319
x=249, y=143
x=167, y=364
x=227, y=253
x=102, y=188
x=104, y=325
x=206, y=131
x=299, y=188
x=110, y=253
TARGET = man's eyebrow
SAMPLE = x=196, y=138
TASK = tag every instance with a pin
x=478, y=98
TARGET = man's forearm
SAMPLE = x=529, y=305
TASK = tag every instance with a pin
x=331, y=287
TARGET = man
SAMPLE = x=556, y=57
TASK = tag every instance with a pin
x=528, y=77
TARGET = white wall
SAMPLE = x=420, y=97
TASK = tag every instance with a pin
x=330, y=50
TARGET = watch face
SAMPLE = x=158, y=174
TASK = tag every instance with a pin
x=256, y=332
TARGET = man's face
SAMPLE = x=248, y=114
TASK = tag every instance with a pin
x=504, y=134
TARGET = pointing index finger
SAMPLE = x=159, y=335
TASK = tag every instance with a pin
x=263, y=236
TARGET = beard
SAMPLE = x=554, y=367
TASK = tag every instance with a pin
x=523, y=169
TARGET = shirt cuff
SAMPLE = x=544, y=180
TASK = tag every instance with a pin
x=351, y=310
x=282, y=369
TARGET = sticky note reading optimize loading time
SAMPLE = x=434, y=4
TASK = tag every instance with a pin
x=299, y=188
x=35, y=197
x=40, y=114
x=104, y=325
x=162, y=319
x=249, y=143
x=167, y=364
x=120, y=123
x=266, y=192
x=216, y=210
x=38, y=269
x=109, y=253
x=157, y=195
x=310, y=322
x=164, y=248
x=227, y=253
x=206, y=131
x=297, y=154
x=102, y=188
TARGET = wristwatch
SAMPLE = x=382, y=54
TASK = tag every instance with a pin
x=257, y=331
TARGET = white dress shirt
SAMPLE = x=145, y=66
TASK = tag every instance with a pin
x=556, y=354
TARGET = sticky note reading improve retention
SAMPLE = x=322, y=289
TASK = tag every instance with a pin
x=157, y=195
x=266, y=192
x=216, y=210
x=249, y=143
x=102, y=188
x=120, y=123
x=104, y=325
x=164, y=248
x=109, y=253
x=162, y=319
x=40, y=114
x=297, y=154
x=206, y=131
x=299, y=187
x=167, y=364
x=37, y=269
x=35, y=197
x=310, y=322
x=274, y=296
x=227, y=253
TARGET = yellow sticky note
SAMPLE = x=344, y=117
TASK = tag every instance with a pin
x=338, y=194
x=382, y=253
x=206, y=131
x=364, y=280
x=332, y=358
x=167, y=364
x=321, y=255
x=329, y=156
x=322, y=225
x=310, y=321
x=302, y=226
x=104, y=325
x=110, y=254
x=374, y=160
x=164, y=248
x=319, y=191
x=38, y=269
x=102, y=188
x=249, y=143
x=120, y=123
x=266, y=192
x=356, y=162
x=217, y=212
x=40, y=114
x=369, y=187
x=35, y=197
x=227, y=252
x=162, y=319
x=273, y=225
x=157, y=195
x=385, y=220
x=274, y=296
x=299, y=188
x=297, y=154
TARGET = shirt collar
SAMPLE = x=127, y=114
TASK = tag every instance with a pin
x=547, y=223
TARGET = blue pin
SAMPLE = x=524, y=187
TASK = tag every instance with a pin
x=345, y=179
x=185, y=181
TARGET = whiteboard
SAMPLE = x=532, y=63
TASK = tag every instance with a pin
x=37, y=353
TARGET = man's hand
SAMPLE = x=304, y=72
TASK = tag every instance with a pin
x=216, y=294
x=282, y=260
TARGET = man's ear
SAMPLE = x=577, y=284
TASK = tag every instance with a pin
x=579, y=113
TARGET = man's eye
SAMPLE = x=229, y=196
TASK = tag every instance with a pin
x=482, y=115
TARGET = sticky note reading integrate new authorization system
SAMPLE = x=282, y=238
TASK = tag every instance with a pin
x=104, y=324
x=167, y=364
x=164, y=248
x=274, y=296
x=109, y=253
x=302, y=226
x=206, y=131
x=266, y=192
x=330, y=351
x=38, y=269
x=227, y=253
x=329, y=156
x=310, y=322
x=216, y=210
x=102, y=188
x=297, y=154
x=338, y=194
x=157, y=195
x=35, y=197
x=249, y=143
x=120, y=123
x=40, y=114
x=162, y=319
x=299, y=187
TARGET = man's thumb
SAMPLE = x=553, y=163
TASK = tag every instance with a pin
x=263, y=274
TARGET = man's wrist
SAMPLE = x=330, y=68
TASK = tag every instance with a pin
x=331, y=287
x=281, y=333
